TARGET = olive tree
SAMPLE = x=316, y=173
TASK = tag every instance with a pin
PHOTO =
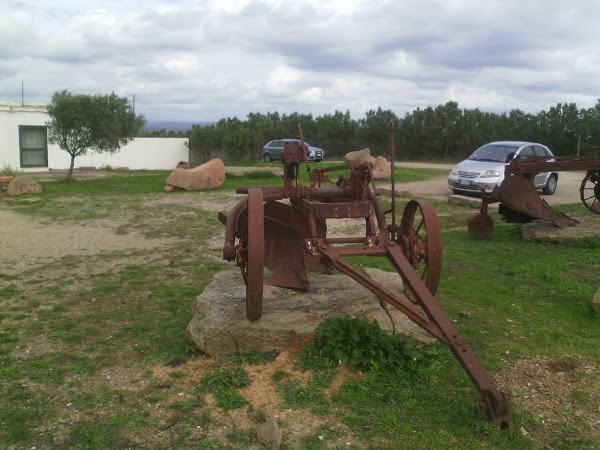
x=99, y=123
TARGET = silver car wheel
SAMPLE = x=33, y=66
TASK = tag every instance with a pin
x=551, y=185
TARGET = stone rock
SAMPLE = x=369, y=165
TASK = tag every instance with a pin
x=463, y=200
x=209, y=175
x=219, y=326
x=270, y=435
x=357, y=155
x=23, y=185
x=541, y=230
x=596, y=302
x=381, y=169
x=368, y=159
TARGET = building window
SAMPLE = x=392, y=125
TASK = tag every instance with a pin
x=33, y=145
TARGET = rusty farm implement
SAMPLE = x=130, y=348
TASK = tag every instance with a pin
x=285, y=229
x=519, y=201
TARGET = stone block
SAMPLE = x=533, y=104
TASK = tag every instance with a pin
x=219, y=326
x=210, y=175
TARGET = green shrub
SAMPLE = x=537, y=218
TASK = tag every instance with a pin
x=8, y=171
x=363, y=344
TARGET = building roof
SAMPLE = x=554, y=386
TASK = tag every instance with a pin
x=11, y=106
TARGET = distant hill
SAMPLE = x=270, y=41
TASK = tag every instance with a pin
x=173, y=125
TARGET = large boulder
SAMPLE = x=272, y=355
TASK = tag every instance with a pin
x=357, y=155
x=368, y=159
x=219, y=326
x=210, y=175
x=381, y=169
x=23, y=185
x=380, y=165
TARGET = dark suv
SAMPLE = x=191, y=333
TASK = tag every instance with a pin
x=272, y=150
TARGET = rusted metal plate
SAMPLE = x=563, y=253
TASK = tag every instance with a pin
x=480, y=225
x=284, y=256
x=519, y=193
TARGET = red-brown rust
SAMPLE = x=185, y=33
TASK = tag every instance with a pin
x=292, y=220
x=520, y=201
x=253, y=242
x=590, y=191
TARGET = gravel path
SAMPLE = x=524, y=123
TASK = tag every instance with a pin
x=26, y=240
x=567, y=192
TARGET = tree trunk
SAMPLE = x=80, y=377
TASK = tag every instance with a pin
x=70, y=172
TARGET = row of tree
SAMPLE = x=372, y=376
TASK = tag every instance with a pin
x=104, y=123
x=444, y=133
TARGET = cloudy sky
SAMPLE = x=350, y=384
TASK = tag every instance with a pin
x=208, y=59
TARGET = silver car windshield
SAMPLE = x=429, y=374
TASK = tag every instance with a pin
x=493, y=152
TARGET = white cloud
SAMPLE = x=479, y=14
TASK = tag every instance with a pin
x=203, y=60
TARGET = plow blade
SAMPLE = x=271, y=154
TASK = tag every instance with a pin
x=520, y=202
x=284, y=256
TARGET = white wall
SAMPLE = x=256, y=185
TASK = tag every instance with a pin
x=139, y=154
x=11, y=116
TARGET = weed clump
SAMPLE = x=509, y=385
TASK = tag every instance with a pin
x=224, y=383
x=364, y=345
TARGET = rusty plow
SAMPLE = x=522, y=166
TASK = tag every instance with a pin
x=286, y=230
x=518, y=198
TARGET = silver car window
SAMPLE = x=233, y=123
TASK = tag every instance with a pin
x=493, y=153
x=541, y=151
x=527, y=151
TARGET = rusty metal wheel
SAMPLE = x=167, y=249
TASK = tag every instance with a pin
x=590, y=191
x=421, y=241
x=252, y=254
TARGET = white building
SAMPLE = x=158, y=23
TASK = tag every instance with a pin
x=24, y=146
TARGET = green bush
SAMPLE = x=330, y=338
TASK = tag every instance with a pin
x=363, y=344
x=8, y=171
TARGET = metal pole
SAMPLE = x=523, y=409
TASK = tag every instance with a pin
x=393, y=170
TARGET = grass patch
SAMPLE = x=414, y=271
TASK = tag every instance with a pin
x=224, y=383
x=89, y=331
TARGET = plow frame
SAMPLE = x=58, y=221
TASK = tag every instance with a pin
x=520, y=201
x=300, y=227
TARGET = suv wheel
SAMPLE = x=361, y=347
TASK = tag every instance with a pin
x=551, y=185
x=267, y=157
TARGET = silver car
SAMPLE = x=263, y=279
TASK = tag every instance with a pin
x=272, y=150
x=484, y=169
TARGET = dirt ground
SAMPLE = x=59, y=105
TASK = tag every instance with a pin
x=549, y=389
